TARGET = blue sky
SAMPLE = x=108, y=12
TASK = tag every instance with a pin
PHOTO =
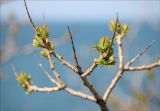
x=84, y=10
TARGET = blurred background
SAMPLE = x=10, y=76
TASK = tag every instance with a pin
x=88, y=21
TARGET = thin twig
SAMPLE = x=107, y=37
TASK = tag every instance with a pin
x=140, y=68
x=14, y=69
x=112, y=85
x=89, y=70
x=29, y=15
x=74, y=51
x=47, y=74
x=140, y=54
x=66, y=63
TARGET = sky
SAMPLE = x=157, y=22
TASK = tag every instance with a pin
x=90, y=10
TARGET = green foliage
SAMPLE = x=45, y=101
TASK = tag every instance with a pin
x=104, y=48
x=110, y=61
x=24, y=81
x=104, y=44
x=112, y=26
x=44, y=53
x=42, y=32
x=125, y=29
x=119, y=29
x=37, y=42
x=41, y=38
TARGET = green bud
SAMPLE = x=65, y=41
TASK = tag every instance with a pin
x=104, y=44
x=52, y=46
x=44, y=53
x=107, y=58
x=24, y=80
x=112, y=26
x=110, y=61
x=36, y=43
x=42, y=32
x=125, y=29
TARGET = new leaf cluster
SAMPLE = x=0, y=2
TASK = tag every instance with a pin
x=104, y=47
x=120, y=29
x=106, y=52
x=24, y=80
x=41, y=38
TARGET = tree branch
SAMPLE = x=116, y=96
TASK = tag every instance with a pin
x=67, y=89
x=94, y=65
x=80, y=94
x=61, y=83
x=47, y=74
x=140, y=54
x=44, y=89
x=74, y=51
x=66, y=63
x=141, y=68
x=29, y=15
x=89, y=70
x=120, y=71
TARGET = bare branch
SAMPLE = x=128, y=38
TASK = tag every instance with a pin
x=141, y=68
x=29, y=15
x=66, y=63
x=85, y=81
x=89, y=70
x=66, y=88
x=112, y=85
x=47, y=74
x=74, y=51
x=91, y=88
x=52, y=66
x=80, y=94
x=44, y=89
x=120, y=71
x=140, y=54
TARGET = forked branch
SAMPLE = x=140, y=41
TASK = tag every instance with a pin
x=41, y=40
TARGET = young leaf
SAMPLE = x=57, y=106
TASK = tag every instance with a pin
x=36, y=43
x=42, y=32
x=110, y=61
x=44, y=53
x=24, y=81
x=112, y=26
x=125, y=29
